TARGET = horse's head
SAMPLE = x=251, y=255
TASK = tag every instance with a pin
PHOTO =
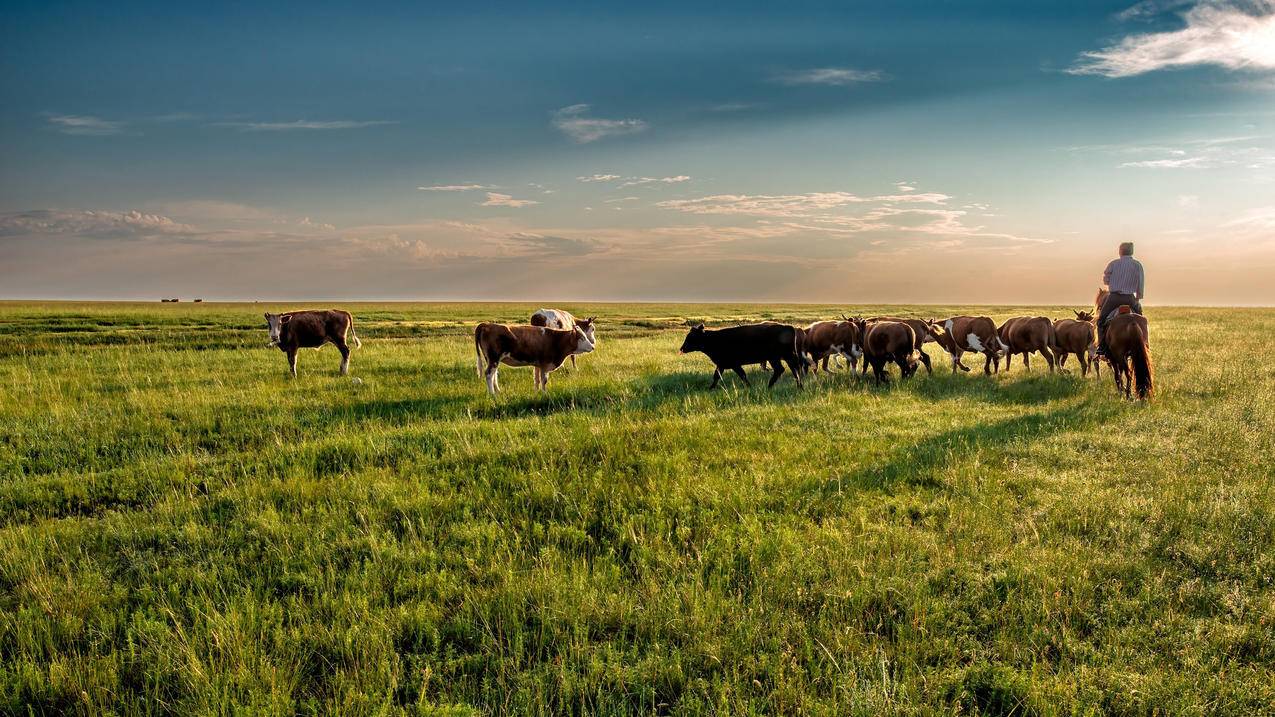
x=1101, y=297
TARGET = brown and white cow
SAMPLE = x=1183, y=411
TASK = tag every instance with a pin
x=559, y=319
x=968, y=334
x=824, y=339
x=887, y=341
x=924, y=334
x=542, y=348
x=296, y=330
x=1025, y=334
x=1080, y=337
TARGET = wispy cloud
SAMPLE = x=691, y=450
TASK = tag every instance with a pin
x=85, y=125
x=303, y=125
x=582, y=129
x=495, y=199
x=788, y=205
x=90, y=224
x=455, y=187
x=1241, y=152
x=552, y=244
x=1233, y=35
x=636, y=181
x=836, y=76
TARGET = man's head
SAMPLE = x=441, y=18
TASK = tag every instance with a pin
x=1126, y=248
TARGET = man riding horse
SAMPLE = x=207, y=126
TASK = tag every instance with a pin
x=1125, y=281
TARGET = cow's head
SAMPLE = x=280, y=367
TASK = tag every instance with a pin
x=589, y=329
x=938, y=329
x=583, y=343
x=694, y=340
x=910, y=367
x=1083, y=315
x=276, y=322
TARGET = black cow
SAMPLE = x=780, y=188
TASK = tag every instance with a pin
x=311, y=329
x=739, y=346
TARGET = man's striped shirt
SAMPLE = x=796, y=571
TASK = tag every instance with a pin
x=1124, y=276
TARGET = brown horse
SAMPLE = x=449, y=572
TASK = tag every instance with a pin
x=1076, y=336
x=1127, y=351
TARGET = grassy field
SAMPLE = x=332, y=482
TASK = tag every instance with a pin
x=183, y=530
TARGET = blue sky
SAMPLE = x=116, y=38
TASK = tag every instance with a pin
x=853, y=152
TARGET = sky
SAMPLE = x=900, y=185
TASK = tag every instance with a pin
x=855, y=152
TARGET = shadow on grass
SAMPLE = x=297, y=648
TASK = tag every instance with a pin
x=916, y=464
x=651, y=392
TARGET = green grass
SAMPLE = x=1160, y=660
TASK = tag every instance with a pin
x=183, y=530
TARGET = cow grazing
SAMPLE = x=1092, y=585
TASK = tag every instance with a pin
x=542, y=348
x=296, y=330
x=924, y=334
x=559, y=319
x=968, y=334
x=822, y=340
x=1025, y=334
x=739, y=346
x=1077, y=336
x=887, y=341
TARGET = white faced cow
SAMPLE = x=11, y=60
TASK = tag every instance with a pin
x=542, y=348
x=311, y=329
x=559, y=319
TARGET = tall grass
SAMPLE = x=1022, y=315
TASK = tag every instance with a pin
x=184, y=530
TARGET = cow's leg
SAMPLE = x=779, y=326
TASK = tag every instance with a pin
x=956, y=361
x=1008, y=360
x=493, y=378
x=292, y=362
x=1049, y=358
x=903, y=366
x=739, y=371
x=544, y=379
x=825, y=362
x=717, y=377
x=1027, y=361
x=925, y=359
x=878, y=371
x=987, y=364
x=794, y=363
x=573, y=361
x=779, y=371
x=344, y=348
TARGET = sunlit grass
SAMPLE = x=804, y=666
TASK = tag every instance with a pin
x=184, y=530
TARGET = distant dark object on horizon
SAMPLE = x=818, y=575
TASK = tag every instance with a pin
x=169, y=301
x=199, y=301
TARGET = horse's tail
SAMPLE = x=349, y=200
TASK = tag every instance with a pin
x=1143, y=374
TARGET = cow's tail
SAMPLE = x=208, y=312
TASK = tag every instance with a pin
x=478, y=350
x=349, y=328
x=1143, y=373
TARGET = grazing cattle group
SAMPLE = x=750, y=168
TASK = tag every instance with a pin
x=552, y=336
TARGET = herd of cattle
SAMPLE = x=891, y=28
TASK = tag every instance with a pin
x=552, y=336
